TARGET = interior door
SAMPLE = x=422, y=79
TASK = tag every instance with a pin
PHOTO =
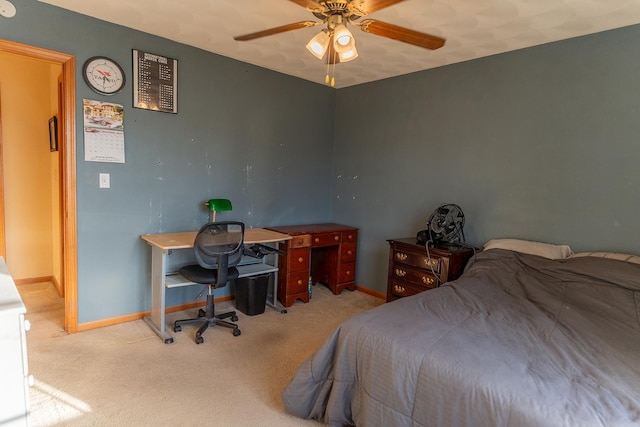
x=67, y=148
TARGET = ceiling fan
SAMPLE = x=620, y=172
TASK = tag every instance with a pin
x=336, y=41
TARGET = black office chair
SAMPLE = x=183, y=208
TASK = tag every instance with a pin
x=218, y=249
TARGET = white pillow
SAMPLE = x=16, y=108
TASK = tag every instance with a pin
x=546, y=250
x=635, y=259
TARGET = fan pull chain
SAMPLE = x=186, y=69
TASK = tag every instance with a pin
x=326, y=78
x=333, y=77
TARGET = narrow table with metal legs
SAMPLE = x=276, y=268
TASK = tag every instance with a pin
x=161, y=279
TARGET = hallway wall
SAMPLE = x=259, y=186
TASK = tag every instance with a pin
x=29, y=98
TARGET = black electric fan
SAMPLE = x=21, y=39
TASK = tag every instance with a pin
x=445, y=225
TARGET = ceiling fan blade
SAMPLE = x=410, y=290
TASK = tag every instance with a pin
x=402, y=34
x=309, y=4
x=370, y=6
x=276, y=30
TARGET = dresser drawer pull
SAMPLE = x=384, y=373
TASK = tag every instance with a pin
x=350, y=237
x=300, y=259
x=349, y=252
x=400, y=273
x=401, y=256
x=336, y=238
x=398, y=289
x=428, y=280
x=299, y=282
x=317, y=240
x=429, y=262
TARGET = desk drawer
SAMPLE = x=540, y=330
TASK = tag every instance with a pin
x=347, y=272
x=325, y=239
x=297, y=282
x=348, y=252
x=301, y=241
x=298, y=259
x=350, y=236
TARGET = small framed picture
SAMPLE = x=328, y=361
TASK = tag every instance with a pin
x=53, y=134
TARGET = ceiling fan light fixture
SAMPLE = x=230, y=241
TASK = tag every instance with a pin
x=343, y=39
x=349, y=55
x=319, y=44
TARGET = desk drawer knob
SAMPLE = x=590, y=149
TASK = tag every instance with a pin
x=299, y=282
x=336, y=238
x=401, y=256
x=348, y=272
x=428, y=280
x=400, y=273
x=300, y=259
x=398, y=289
x=350, y=237
x=349, y=252
x=317, y=240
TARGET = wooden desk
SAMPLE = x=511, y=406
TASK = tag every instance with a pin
x=161, y=279
x=325, y=252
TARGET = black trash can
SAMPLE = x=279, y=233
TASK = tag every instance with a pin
x=251, y=294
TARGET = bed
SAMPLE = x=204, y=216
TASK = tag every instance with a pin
x=518, y=340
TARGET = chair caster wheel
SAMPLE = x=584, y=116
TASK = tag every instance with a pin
x=199, y=340
x=234, y=318
x=177, y=328
x=236, y=332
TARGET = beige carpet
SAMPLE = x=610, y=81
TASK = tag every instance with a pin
x=125, y=375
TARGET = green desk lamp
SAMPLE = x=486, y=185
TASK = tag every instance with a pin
x=217, y=205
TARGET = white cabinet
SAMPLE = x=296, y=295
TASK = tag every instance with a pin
x=14, y=392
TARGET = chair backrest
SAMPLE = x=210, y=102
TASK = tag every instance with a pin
x=218, y=245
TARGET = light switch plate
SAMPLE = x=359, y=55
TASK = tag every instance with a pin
x=105, y=180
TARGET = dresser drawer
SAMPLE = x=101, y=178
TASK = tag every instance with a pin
x=418, y=260
x=420, y=278
x=404, y=289
x=348, y=252
x=346, y=272
x=298, y=259
x=301, y=241
x=325, y=239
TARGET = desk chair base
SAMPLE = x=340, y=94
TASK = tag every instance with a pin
x=208, y=318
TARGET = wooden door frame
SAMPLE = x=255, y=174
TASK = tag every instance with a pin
x=67, y=149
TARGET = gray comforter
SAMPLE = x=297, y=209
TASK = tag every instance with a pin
x=518, y=340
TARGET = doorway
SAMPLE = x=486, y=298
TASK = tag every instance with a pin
x=67, y=152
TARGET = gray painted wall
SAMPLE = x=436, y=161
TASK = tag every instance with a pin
x=539, y=144
x=259, y=138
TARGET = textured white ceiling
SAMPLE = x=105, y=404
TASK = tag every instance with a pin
x=472, y=28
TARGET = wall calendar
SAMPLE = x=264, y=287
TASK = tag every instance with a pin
x=155, y=82
x=103, y=131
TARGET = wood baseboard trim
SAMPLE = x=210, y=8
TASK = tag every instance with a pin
x=137, y=316
x=371, y=292
x=31, y=280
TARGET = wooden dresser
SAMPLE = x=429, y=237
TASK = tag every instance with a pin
x=325, y=252
x=412, y=270
x=14, y=370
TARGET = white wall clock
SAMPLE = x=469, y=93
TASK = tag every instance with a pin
x=103, y=75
